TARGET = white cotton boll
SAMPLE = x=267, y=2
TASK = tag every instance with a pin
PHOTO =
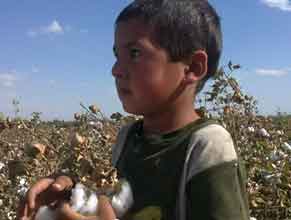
x=78, y=197
x=268, y=177
x=251, y=129
x=45, y=213
x=92, y=123
x=253, y=218
x=22, y=191
x=277, y=155
x=123, y=200
x=96, y=124
x=22, y=186
x=263, y=132
x=282, y=155
x=1, y=165
x=286, y=146
x=274, y=156
x=22, y=182
x=90, y=207
x=84, y=205
x=66, y=170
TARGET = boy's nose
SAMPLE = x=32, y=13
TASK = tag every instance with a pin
x=117, y=70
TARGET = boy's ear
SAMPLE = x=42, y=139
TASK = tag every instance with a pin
x=196, y=67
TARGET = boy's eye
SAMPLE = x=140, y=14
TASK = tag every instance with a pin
x=134, y=53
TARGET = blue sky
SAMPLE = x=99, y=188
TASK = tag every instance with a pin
x=56, y=54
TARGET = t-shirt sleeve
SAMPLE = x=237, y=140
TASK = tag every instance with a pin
x=217, y=194
x=215, y=188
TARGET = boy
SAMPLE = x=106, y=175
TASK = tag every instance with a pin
x=180, y=166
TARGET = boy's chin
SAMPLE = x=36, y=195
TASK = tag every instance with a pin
x=131, y=110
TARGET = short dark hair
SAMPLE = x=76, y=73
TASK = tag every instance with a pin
x=181, y=27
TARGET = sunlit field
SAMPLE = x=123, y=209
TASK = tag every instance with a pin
x=32, y=148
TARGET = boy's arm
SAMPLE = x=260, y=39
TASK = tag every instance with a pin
x=218, y=193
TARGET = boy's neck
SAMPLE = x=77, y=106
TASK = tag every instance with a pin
x=168, y=121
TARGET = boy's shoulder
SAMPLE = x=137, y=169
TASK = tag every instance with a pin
x=211, y=132
x=211, y=145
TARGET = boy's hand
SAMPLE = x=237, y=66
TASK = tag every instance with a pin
x=105, y=211
x=46, y=191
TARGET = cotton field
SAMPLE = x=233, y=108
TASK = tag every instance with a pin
x=32, y=148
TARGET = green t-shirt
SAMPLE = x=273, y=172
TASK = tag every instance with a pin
x=153, y=165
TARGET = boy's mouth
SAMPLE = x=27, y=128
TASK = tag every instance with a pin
x=122, y=89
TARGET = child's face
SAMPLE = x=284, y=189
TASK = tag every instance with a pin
x=146, y=81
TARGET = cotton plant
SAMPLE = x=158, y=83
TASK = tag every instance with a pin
x=85, y=202
x=277, y=155
x=280, y=132
x=272, y=178
x=22, y=186
x=96, y=125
